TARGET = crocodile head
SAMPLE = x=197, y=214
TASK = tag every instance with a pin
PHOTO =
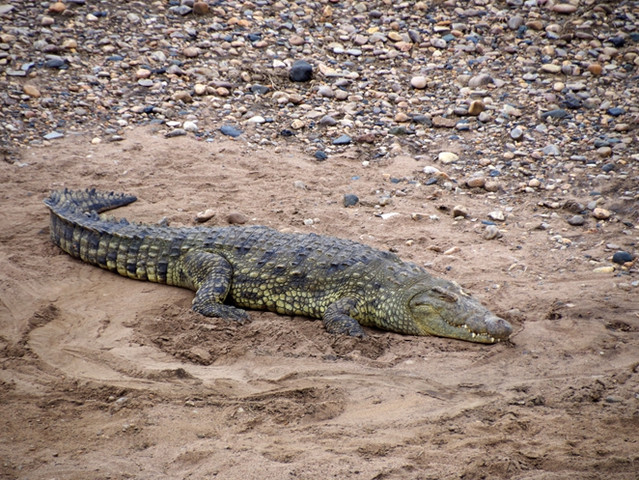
x=442, y=308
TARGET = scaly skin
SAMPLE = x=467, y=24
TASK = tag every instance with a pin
x=346, y=284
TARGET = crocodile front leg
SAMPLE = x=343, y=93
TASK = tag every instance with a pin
x=210, y=276
x=338, y=318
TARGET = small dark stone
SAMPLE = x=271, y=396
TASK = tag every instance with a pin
x=350, y=200
x=301, y=71
x=56, y=62
x=431, y=181
x=254, y=37
x=321, y=155
x=618, y=41
x=342, y=140
x=556, y=113
x=576, y=220
x=287, y=133
x=608, y=167
x=178, y=132
x=230, y=131
x=259, y=89
x=622, y=257
x=422, y=120
x=572, y=102
x=616, y=111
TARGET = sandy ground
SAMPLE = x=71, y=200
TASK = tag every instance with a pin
x=105, y=377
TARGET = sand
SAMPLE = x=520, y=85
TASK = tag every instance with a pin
x=109, y=378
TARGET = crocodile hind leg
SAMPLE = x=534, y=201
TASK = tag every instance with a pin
x=210, y=276
x=338, y=318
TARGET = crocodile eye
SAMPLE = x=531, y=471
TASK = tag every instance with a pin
x=444, y=295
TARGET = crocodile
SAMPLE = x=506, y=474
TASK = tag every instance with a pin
x=346, y=284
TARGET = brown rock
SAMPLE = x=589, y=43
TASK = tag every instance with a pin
x=366, y=138
x=564, y=8
x=476, y=107
x=191, y=52
x=601, y=213
x=31, y=90
x=182, y=96
x=476, y=182
x=441, y=122
x=200, y=8
x=57, y=8
x=236, y=218
x=595, y=68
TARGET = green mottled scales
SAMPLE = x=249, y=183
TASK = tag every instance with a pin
x=344, y=283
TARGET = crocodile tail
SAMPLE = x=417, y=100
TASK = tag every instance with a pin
x=89, y=200
x=132, y=250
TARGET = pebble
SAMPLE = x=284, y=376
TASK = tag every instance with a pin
x=476, y=182
x=480, y=80
x=326, y=91
x=447, y=157
x=476, y=107
x=564, y=8
x=31, y=90
x=342, y=140
x=205, y=215
x=497, y=216
x=576, y=220
x=491, y=232
x=516, y=133
x=350, y=200
x=236, y=218
x=551, y=150
x=230, y=131
x=178, y=132
x=53, y=135
x=418, y=82
x=301, y=71
x=601, y=213
x=460, y=211
x=622, y=257
x=190, y=126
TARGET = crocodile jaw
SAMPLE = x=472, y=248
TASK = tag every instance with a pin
x=442, y=308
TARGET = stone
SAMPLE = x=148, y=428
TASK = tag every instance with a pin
x=601, y=213
x=491, y=232
x=476, y=107
x=205, y=215
x=564, y=8
x=476, y=182
x=551, y=68
x=551, y=150
x=480, y=80
x=230, y=131
x=516, y=133
x=182, y=96
x=350, y=200
x=200, y=8
x=301, y=71
x=342, y=140
x=236, y=218
x=31, y=90
x=190, y=126
x=497, y=215
x=326, y=91
x=460, y=211
x=447, y=157
x=53, y=135
x=622, y=257
x=57, y=8
x=191, y=52
x=595, y=68
x=418, y=82
x=576, y=220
